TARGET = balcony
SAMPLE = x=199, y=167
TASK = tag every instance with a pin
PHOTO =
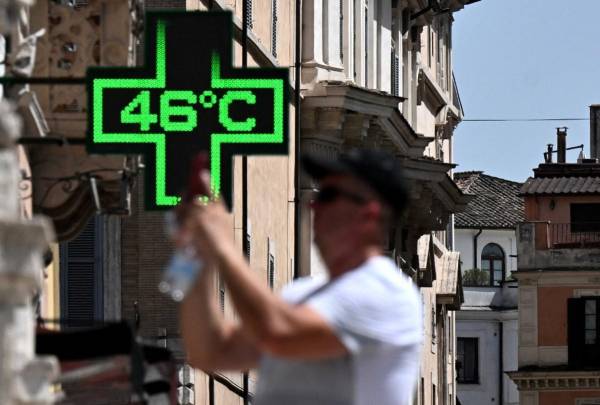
x=559, y=246
x=573, y=235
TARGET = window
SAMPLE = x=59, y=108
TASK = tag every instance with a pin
x=467, y=360
x=585, y=217
x=583, y=331
x=492, y=263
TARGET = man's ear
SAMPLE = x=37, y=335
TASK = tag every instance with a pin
x=373, y=210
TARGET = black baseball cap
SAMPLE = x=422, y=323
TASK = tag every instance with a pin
x=379, y=169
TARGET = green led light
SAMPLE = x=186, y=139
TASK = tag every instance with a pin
x=226, y=121
x=156, y=110
x=144, y=118
x=212, y=99
x=167, y=111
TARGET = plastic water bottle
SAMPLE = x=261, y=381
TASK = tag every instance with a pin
x=183, y=268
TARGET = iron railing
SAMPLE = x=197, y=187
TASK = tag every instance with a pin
x=574, y=235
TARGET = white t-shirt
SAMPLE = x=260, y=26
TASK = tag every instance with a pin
x=375, y=310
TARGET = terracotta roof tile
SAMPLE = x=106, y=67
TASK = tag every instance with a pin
x=496, y=204
x=561, y=185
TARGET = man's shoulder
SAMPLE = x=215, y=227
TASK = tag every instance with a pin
x=381, y=271
x=301, y=287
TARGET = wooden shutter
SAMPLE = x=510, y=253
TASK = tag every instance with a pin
x=575, y=337
x=81, y=276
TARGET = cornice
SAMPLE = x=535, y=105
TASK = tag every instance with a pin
x=555, y=380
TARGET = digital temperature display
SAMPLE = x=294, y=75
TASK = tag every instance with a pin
x=187, y=99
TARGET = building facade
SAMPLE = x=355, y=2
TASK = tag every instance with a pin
x=487, y=324
x=558, y=249
x=378, y=74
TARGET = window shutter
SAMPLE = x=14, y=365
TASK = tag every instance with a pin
x=81, y=276
x=575, y=337
x=249, y=14
x=395, y=74
x=274, y=28
x=341, y=30
x=271, y=271
x=247, y=247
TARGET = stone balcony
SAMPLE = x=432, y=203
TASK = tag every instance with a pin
x=545, y=245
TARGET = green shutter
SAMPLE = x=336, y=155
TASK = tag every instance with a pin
x=81, y=276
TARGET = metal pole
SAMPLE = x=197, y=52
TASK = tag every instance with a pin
x=245, y=247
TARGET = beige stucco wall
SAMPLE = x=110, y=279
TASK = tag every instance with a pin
x=270, y=182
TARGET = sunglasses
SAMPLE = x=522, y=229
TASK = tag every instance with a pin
x=330, y=193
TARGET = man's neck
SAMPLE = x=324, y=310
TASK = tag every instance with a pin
x=343, y=263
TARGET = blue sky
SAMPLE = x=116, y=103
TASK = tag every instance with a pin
x=524, y=59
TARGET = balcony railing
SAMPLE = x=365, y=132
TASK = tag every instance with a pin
x=574, y=235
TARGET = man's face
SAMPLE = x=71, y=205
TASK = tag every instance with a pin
x=337, y=210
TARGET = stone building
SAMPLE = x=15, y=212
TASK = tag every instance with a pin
x=487, y=323
x=378, y=74
x=558, y=247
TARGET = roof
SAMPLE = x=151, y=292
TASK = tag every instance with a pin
x=561, y=185
x=496, y=205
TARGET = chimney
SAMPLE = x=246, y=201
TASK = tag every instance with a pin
x=561, y=144
x=595, y=131
x=548, y=153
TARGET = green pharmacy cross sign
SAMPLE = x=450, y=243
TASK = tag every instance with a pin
x=187, y=99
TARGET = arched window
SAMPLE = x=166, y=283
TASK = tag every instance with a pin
x=492, y=263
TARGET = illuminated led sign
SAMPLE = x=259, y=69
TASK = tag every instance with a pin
x=186, y=99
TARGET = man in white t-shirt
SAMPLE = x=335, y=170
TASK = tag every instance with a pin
x=352, y=338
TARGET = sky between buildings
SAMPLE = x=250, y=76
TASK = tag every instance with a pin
x=524, y=59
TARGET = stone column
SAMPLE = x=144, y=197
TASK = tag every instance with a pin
x=24, y=379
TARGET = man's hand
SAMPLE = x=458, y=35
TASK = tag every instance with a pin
x=275, y=326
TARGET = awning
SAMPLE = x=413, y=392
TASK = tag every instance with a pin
x=448, y=285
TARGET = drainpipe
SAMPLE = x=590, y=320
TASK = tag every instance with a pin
x=475, y=248
x=501, y=373
x=297, y=207
x=245, y=249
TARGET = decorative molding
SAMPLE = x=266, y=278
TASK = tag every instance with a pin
x=585, y=292
x=555, y=380
x=587, y=401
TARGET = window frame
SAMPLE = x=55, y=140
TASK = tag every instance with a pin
x=460, y=352
x=580, y=353
x=489, y=259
